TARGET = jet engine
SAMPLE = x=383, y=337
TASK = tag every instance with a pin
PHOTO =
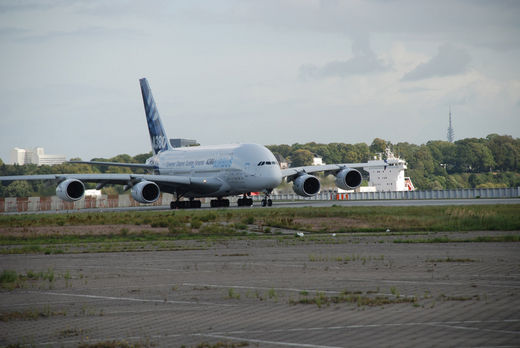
x=145, y=192
x=348, y=179
x=70, y=190
x=306, y=185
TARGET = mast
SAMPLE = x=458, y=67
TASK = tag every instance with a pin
x=451, y=133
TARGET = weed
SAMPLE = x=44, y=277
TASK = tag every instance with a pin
x=30, y=314
x=450, y=259
x=222, y=345
x=272, y=294
x=8, y=276
x=116, y=344
x=232, y=294
x=248, y=220
x=394, y=291
x=70, y=333
x=195, y=223
x=321, y=299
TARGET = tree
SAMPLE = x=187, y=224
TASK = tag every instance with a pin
x=141, y=158
x=378, y=146
x=301, y=158
x=18, y=189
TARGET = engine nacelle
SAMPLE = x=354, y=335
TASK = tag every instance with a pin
x=70, y=190
x=306, y=185
x=348, y=179
x=146, y=192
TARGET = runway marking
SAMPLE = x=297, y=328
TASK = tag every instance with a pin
x=290, y=344
x=132, y=299
x=229, y=334
x=428, y=282
x=476, y=329
x=449, y=324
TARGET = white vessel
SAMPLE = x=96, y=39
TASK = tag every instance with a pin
x=389, y=175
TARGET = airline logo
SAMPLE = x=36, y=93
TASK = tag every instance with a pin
x=159, y=143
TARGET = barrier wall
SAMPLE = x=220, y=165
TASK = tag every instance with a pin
x=22, y=204
x=510, y=192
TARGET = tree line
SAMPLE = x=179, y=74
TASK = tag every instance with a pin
x=492, y=161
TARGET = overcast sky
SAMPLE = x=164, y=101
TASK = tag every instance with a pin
x=268, y=72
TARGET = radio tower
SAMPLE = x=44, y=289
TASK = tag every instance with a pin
x=451, y=133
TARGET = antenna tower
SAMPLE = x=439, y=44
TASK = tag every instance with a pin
x=451, y=133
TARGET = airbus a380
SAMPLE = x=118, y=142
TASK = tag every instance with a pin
x=201, y=171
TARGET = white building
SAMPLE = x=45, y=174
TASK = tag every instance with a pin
x=389, y=176
x=317, y=160
x=35, y=156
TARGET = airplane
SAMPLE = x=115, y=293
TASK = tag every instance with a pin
x=217, y=171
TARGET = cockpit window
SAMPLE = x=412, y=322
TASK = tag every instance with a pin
x=267, y=163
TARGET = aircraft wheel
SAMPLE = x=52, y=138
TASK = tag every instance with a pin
x=264, y=202
x=269, y=202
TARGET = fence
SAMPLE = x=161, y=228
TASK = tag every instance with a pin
x=509, y=192
x=23, y=204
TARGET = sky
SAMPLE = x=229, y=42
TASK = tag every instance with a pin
x=267, y=72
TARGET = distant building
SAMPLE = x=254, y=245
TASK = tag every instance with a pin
x=35, y=156
x=284, y=164
x=317, y=160
x=183, y=142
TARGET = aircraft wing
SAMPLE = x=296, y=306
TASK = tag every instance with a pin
x=210, y=184
x=117, y=164
x=291, y=173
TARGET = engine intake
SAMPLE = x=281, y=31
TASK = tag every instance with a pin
x=348, y=179
x=70, y=190
x=306, y=185
x=146, y=192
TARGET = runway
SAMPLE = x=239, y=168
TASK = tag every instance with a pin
x=259, y=292
x=302, y=203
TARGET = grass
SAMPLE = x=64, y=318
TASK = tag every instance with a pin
x=116, y=344
x=423, y=218
x=10, y=279
x=221, y=345
x=451, y=259
x=30, y=314
x=320, y=299
x=161, y=229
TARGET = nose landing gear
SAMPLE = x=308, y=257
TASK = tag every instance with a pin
x=267, y=201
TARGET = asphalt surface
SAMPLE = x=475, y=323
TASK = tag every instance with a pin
x=311, y=203
x=467, y=295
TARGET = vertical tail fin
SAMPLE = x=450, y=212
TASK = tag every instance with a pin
x=158, y=136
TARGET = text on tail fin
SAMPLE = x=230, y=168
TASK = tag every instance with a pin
x=158, y=136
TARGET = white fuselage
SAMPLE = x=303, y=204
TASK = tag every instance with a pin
x=241, y=168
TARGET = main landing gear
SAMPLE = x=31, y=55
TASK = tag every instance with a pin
x=219, y=203
x=245, y=202
x=185, y=204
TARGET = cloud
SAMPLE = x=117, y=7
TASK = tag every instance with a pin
x=363, y=61
x=449, y=61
